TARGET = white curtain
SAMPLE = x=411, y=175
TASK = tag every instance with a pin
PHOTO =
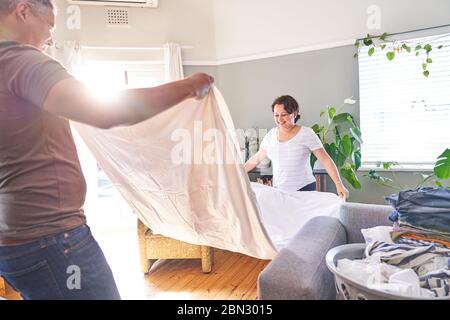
x=173, y=65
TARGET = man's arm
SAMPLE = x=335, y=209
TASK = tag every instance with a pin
x=70, y=99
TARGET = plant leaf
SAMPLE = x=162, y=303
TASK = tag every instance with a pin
x=417, y=53
x=316, y=128
x=343, y=117
x=429, y=60
x=406, y=47
x=389, y=164
x=357, y=159
x=346, y=146
x=374, y=175
x=418, y=47
x=368, y=40
x=371, y=51
x=349, y=174
x=331, y=113
x=428, y=48
x=440, y=47
x=357, y=44
x=383, y=36
x=390, y=55
x=442, y=166
x=426, y=73
x=356, y=133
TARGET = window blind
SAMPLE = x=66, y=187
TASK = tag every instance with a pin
x=404, y=116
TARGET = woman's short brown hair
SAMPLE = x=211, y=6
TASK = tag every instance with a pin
x=289, y=103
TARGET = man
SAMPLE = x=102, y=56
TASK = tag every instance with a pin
x=46, y=248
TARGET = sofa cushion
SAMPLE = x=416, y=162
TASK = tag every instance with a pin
x=357, y=216
x=299, y=270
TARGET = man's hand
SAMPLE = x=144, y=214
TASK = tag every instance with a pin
x=201, y=84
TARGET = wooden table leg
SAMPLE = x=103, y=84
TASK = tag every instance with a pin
x=145, y=263
x=2, y=287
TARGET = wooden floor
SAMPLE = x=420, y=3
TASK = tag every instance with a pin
x=233, y=275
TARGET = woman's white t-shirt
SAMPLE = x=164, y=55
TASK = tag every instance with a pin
x=291, y=159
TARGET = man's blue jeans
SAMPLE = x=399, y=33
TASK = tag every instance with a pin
x=69, y=265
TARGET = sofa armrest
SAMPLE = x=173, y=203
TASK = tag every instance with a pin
x=299, y=271
x=357, y=216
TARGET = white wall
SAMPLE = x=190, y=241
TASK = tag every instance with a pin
x=226, y=29
x=249, y=27
x=187, y=22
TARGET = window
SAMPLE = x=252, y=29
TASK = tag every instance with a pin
x=405, y=117
x=105, y=207
x=107, y=79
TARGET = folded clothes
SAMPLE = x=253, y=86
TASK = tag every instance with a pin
x=427, y=208
x=415, y=242
x=405, y=227
x=427, y=238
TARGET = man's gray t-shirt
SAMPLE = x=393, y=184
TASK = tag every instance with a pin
x=42, y=188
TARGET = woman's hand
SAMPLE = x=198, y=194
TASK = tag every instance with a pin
x=342, y=191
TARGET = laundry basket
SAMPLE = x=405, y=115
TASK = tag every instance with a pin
x=348, y=289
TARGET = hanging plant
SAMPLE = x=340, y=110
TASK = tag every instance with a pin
x=395, y=47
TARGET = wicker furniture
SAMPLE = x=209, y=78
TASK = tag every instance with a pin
x=2, y=287
x=155, y=246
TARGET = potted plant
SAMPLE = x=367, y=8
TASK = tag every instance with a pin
x=341, y=138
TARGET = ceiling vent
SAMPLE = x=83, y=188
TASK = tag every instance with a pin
x=117, y=16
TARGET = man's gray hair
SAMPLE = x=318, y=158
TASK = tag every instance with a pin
x=38, y=6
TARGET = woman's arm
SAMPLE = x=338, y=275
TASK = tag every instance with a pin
x=255, y=160
x=330, y=166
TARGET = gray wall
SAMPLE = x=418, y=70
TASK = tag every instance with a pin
x=316, y=79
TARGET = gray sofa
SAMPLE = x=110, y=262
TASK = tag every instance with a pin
x=299, y=271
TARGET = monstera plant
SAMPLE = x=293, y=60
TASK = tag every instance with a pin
x=341, y=138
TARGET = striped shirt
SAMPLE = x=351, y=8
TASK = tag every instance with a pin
x=290, y=159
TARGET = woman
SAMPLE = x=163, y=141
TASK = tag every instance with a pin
x=289, y=147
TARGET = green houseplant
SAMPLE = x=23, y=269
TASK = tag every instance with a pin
x=394, y=47
x=440, y=175
x=341, y=138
